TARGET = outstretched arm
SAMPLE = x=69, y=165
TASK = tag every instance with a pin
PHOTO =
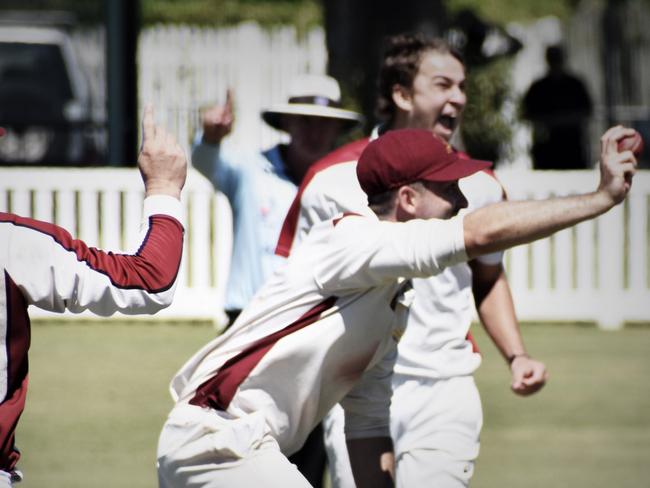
x=504, y=225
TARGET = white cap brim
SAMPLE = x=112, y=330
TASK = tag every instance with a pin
x=273, y=115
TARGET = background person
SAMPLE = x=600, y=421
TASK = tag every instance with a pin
x=45, y=267
x=325, y=328
x=261, y=185
x=436, y=414
x=559, y=107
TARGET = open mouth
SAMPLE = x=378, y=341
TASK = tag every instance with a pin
x=448, y=121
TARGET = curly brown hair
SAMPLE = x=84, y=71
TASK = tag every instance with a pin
x=401, y=61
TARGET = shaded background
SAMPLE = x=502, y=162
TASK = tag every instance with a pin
x=607, y=41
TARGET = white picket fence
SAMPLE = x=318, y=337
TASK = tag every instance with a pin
x=598, y=271
x=183, y=69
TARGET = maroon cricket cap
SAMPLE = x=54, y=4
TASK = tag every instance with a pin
x=404, y=156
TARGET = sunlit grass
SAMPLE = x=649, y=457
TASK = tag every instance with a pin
x=98, y=397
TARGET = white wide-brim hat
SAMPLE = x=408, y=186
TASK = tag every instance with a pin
x=315, y=96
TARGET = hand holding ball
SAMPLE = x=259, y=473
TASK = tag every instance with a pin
x=632, y=143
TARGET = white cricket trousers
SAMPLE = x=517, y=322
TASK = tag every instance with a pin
x=435, y=426
x=198, y=447
x=5, y=479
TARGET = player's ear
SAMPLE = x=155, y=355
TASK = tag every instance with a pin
x=406, y=202
x=402, y=97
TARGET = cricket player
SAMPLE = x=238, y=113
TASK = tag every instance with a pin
x=45, y=267
x=325, y=328
x=436, y=412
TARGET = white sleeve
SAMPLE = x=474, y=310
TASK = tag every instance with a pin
x=482, y=189
x=331, y=192
x=366, y=252
x=56, y=272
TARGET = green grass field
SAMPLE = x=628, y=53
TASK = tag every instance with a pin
x=98, y=397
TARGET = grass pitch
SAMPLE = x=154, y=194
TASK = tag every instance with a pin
x=98, y=397
x=589, y=426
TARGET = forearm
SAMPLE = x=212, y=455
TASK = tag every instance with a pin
x=497, y=313
x=503, y=225
x=372, y=462
x=496, y=309
x=57, y=272
x=205, y=158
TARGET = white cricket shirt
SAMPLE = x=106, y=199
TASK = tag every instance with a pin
x=436, y=343
x=324, y=329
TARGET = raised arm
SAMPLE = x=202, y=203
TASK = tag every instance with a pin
x=56, y=272
x=504, y=225
x=217, y=121
x=212, y=159
x=162, y=162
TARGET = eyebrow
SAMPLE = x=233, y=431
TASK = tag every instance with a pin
x=447, y=78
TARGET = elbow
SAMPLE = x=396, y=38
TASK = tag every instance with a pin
x=480, y=241
x=164, y=299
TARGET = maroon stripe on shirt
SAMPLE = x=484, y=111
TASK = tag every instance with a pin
x=218, y=391
x=348, y=152
x=17, y=344
x=153, y=268
x=469, y=337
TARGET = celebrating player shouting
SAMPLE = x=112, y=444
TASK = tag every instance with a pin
x=45, y=267
x=325, y=328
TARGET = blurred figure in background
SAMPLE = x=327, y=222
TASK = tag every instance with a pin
x=558, y=105
x=260, y=186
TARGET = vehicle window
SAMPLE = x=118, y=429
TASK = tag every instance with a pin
x=38, y=65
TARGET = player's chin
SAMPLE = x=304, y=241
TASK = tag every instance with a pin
x=444, y=131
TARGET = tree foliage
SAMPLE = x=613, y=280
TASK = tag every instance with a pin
x=301, y=13
x=83, y=11
x=485, y=130
x=504, y=11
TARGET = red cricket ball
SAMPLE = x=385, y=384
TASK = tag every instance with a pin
x=632, y=143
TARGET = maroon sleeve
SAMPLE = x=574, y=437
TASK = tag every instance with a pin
x=152, y=268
